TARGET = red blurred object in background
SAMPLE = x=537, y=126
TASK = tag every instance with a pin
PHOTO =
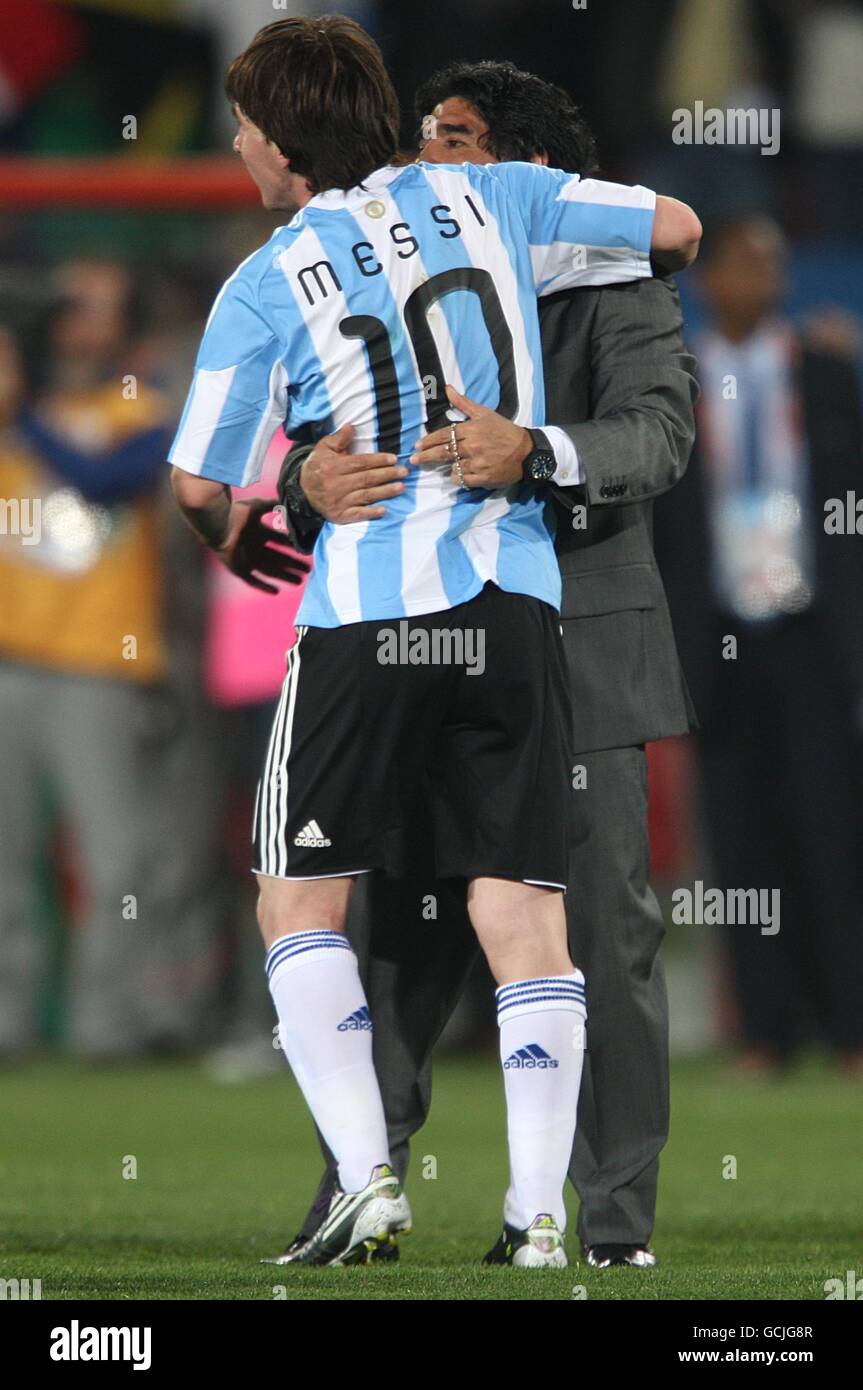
x=670, y=778
x=38, y=42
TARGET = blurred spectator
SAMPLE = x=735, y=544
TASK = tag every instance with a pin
x=767, y=607
x=82, y=656
x=835, y=331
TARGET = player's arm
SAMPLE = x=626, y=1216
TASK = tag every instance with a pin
x=205, y=504
x=676, y=234
x=591, y=232
x=236, y=532
x=237, y=401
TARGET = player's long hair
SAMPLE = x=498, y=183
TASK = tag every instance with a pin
x=319, y=90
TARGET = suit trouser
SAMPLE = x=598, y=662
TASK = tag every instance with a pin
x=414, y=972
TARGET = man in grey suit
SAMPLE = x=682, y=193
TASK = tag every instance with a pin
x=619, y=382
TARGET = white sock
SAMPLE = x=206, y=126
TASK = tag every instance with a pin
x=541, y=1049
x=325, y=1029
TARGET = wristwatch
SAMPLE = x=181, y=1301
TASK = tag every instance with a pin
x=296, y=500
x=302, y=522
x=290, y=491
x=540, y=464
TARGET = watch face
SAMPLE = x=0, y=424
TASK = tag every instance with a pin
x=542, y=466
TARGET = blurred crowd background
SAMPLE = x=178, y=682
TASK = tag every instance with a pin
x=137, y=677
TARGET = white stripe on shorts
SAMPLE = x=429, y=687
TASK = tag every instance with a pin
x=274, y=790
x=264, y=788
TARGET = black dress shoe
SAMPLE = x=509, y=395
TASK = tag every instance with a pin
x=613, y=1256
x=501, y=1252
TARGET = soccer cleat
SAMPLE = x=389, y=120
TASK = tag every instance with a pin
x=290, y=1253
x=359, y=1223
x=319, y=1208
x=615, y=1256
x=539, y=1247
x=381, y=1254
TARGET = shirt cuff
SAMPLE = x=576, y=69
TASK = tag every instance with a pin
x=568, y=470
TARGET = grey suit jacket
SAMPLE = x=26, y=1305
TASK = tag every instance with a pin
x=618, y=380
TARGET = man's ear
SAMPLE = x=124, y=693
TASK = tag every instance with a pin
x=541, y=157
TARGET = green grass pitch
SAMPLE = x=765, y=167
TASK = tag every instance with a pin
x=223, y=1173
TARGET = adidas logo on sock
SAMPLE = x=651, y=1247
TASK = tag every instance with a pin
x=361, y=1018
x=531, y=1056
x=312, y=837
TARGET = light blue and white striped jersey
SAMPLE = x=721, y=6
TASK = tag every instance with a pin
x=360, y=311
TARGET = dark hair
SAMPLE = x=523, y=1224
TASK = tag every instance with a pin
x=318, y=89
x=38, y=328
x=525, y=115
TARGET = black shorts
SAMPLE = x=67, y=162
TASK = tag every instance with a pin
x=468, y=708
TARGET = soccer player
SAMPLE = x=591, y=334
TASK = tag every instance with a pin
x=616, y=371
x=385, y=284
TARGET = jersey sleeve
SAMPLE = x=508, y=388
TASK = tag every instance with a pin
x=580, y=231
x=238, y=396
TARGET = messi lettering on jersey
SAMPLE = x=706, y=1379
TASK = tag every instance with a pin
x=359, y=311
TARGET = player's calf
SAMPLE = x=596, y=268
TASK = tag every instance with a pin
x=541, y=1017
x=325, y=1031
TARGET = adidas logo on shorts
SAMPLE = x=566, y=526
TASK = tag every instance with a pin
x=312, y=837
x=361, y=1018
x=531, y=1056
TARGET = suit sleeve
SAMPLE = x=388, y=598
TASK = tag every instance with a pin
x=637, y=442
